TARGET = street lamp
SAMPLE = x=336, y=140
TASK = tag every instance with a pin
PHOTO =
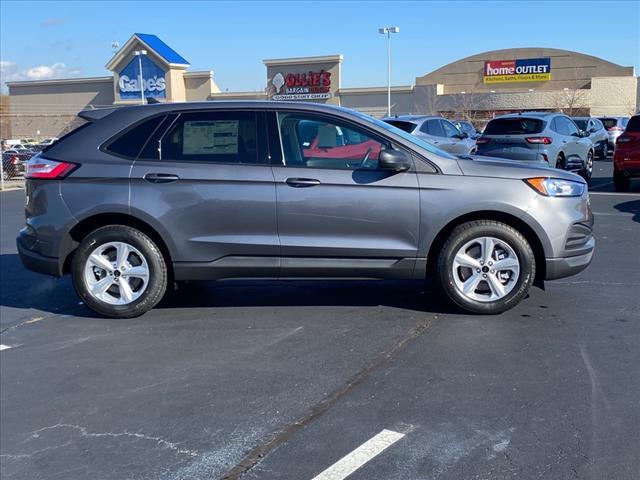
x=139, y=53
x=388, y=31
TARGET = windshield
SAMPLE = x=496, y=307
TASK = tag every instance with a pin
x=407, y=136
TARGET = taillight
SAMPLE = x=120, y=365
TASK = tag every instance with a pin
x=542, y=140
x=15, y=160
x=482, y=140
x=40, y=167
x=616, y=129
x=623, y=139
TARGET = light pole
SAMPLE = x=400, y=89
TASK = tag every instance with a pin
x=388, y=31
x=139, y=53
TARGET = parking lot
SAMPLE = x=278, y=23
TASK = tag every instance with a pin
x=270, y=380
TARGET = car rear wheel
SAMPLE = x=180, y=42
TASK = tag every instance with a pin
x=486, y=267
x=119, y=272
x=587, y=172
x=604, y=150
x=620, y=182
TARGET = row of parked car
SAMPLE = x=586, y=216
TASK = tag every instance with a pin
x=16, y=152
x=549, y=138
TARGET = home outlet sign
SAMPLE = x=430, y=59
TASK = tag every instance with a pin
x=153, y=81
x=302, y=86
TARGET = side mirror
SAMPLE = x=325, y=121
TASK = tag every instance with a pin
x=394, y=160
x=593, y=130
x=463, y=135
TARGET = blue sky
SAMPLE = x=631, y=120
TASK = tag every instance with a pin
x=63, y=39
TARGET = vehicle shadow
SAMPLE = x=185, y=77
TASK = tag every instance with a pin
x=422, y=296
x=22, y=289
x=630, y=207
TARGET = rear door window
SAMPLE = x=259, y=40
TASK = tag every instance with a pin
x=514, y=126
x=130, y=143
x=212, y=137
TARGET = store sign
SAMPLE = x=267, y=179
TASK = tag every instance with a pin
x=302, y=86
x=152, y=77
x=523, y=70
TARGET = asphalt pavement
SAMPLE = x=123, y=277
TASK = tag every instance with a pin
x=303, y=380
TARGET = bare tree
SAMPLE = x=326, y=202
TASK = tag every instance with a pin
x=573, y=99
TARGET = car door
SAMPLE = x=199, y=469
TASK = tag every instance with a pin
x=457, y=145
x=204, y=179
x=579, y=146
x=431, y=131
x=338, y=215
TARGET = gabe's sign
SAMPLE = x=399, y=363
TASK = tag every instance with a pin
x=302, y=86
x=153, y=80
x=522, y=70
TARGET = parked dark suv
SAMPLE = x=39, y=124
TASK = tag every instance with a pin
x=142, y=196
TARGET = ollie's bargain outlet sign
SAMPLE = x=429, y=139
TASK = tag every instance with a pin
x=302, y=86
x=523, y=70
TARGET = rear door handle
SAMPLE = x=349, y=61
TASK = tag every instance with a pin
x=302, y=182
x=161, y=177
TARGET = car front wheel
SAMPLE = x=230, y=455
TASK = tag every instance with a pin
x=486, y=267
x=119, y=272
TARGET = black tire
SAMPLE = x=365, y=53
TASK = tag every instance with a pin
x=587, y=171
x=620, y=182
x=560, y=161
x=476, y=229
x=157, y=269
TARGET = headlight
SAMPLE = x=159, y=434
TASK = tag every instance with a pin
x=556, y=187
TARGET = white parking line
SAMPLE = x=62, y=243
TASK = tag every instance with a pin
x=361, y=455
x=4, y=347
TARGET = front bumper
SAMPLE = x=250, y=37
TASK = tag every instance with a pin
x=568, y=266
x=34, y=261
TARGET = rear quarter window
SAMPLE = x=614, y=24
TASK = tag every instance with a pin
x=514, y=126
x=129, y=143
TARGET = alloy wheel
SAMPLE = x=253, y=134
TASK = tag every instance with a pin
x=485, y=269
x=116, y=273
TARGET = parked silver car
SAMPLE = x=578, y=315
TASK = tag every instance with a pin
x=552, y=139
x=435, y=130
x=615, y=127
x=597, y=134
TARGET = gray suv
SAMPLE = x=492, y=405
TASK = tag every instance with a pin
x=550, y=138
x=437, y=131
x=140, y=197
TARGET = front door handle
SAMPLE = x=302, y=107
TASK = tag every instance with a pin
x=161, y=177
x=302, y=182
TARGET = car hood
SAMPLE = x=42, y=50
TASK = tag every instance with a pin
x=481, y=166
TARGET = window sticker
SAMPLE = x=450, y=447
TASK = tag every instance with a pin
x=210, y=137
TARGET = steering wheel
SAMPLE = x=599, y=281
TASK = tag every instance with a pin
x=365, y=159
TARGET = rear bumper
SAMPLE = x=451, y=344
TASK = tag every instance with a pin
x=568, y=266
x=34, y=261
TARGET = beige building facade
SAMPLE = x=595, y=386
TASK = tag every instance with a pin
x=478, y=87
